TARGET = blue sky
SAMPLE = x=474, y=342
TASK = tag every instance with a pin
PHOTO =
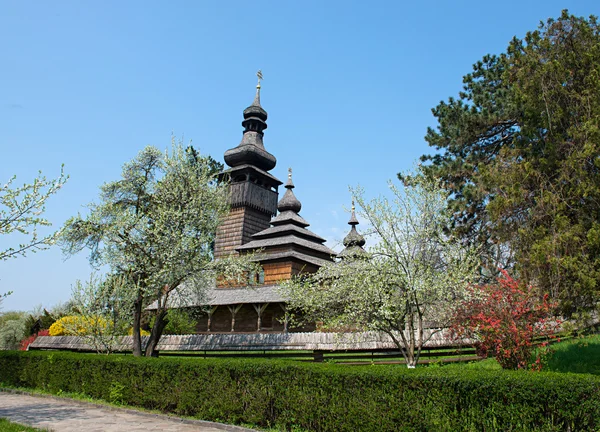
x=349, y=88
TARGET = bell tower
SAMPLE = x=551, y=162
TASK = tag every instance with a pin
x=253, y=190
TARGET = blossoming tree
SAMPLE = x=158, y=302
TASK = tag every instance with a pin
x=407, y=285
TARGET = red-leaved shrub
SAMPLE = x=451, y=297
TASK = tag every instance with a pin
x=29, y=340
x=505, y=318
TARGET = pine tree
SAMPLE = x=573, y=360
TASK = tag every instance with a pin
x=519, y=153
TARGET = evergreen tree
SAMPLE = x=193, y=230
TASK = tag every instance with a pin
x=519, y=153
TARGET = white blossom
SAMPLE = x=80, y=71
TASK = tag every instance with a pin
x=409, y=284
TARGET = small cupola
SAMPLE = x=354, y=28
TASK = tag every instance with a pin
x=353, y=242
x=289, y=202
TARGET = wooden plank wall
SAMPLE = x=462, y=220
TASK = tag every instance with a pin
x=275, y=272
x=237, y=228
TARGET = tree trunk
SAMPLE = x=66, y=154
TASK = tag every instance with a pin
x=137, y=320
x=157, y=330
x=411, y=360
x=420, y=336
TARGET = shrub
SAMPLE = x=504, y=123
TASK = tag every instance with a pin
x=179, y=322
x=505, y=319
x=75, y=325
x=142, y=332
x=29, y=340
x=12, y=330
x=320, y=397
x=100, y=333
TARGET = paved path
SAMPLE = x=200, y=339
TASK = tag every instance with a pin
x=61, y=414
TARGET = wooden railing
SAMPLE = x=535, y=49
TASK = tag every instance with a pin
x=338, y=347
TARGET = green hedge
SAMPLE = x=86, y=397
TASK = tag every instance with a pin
x=320, y=397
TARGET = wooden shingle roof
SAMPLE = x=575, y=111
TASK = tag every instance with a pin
x=181, y=298
x=288, y=236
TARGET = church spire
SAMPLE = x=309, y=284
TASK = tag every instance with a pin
x=289, y=200
x=257, y=97
x=353, y=242
x=251, y=151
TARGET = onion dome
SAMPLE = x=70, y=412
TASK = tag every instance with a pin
x=251, y=151
x=288, y=238
x=353, y=242
x=289, y=202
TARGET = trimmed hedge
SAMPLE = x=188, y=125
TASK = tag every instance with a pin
x=319, y=397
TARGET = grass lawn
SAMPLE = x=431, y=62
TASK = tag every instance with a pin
x=7, y=426
x=577, y=355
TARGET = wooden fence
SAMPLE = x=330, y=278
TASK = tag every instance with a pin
x=339, y=347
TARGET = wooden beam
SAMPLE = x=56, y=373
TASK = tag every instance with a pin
x=285, y=317
x=211, y=311
x=259, y=308
x=234, y=309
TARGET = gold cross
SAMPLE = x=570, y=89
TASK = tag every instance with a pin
x=260, y=77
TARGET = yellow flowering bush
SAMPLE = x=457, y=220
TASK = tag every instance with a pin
x=142, y=332
x=73, y=325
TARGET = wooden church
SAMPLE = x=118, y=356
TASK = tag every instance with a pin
x=272, y=228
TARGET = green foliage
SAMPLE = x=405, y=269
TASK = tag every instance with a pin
x=13, y=329
x=180, y=321
x=40, y=320
x=518, y=151
x=116, y=392
x=320, y=397
x=486, y=364
x=8, y=426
